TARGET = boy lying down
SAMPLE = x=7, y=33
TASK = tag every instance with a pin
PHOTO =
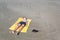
x=20, y=25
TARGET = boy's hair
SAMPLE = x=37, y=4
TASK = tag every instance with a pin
x=24, y=17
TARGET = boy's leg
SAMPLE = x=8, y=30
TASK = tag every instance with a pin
x=21, y=27
x=17, y=26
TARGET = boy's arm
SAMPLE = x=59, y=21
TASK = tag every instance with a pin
x=26, y=22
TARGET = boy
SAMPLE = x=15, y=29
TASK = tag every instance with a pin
x=20, y=25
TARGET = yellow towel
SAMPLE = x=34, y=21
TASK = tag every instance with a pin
x=24, y=29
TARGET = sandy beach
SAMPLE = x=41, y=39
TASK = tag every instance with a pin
x=45, y=15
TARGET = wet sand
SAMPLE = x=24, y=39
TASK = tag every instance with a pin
x=45, y=15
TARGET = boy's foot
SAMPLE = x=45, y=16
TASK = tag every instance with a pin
x=13, y=32
x=18, y=33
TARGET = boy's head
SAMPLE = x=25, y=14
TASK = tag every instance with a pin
x=24, y=18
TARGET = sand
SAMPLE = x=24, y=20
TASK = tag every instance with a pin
x=45, y=15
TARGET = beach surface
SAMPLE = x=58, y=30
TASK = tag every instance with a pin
x=45, y=15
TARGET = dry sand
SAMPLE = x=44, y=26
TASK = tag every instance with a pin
x=45, y=15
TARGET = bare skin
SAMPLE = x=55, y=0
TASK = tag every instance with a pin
x=19, y=26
